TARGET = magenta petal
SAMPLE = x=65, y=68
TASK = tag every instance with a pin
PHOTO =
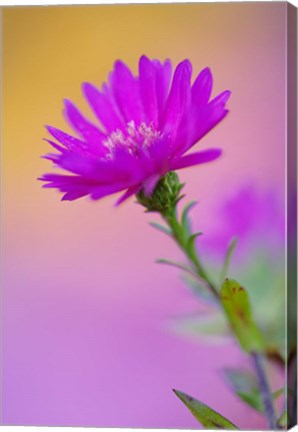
x=126, y=93
x=86, y=129
x=74, y=187
x=130, y=191
x=201, y=121
x=53, y=157
x=150, y=184
x=201, y=89
x=213, y=118
x=103, y=108
x=55, y=145
x=77, y=164
x=221, y=99
x=159, y=154
x=104, y=190
x=196, y=158
x=70, y=142
x=163, y=78
x=74, y=195
x=147, y=80
x=179, y=97
x=66, y=180
x=122, y=169
x=77, y=186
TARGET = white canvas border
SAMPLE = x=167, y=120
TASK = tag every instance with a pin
x=7, y=3
x=96, y=2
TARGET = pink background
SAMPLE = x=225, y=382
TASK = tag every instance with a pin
x=86, y=340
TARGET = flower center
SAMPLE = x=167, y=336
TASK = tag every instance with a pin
x=132, y=139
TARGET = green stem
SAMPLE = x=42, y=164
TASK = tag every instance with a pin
x=264, y=390
x=164, y=201
x=183, y=237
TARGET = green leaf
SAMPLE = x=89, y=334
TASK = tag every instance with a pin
x=211, y=326
x=245, y=385
x=252, y=399
x=177, y=264
x=278, y=393
x=240, y=380
x=161, y=228
x=192, y=239
x=198, y=288
x=237, y=307
x=208, y=418
x=227, y=260
x=283, y=420
x=184, y=217
x=265, y=287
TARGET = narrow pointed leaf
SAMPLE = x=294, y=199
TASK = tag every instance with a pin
x=184, y=217
x=227, y=259
x=177, y=264
x=283, y=420
x=208, y=418
x=192, y=239
x=161, y=228
x=211, y=326
x=240, y=380
x=199, y=288
x=237, y=307
x=245, y=385
x=254, y=400
x=278, y=393
x=179, y=199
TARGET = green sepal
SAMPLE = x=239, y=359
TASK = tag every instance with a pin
x=180, y=197
x=165, y=196
x=237, y=307
x=161, y=228
x=208, y=418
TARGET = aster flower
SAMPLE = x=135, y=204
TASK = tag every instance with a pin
x=146, y=124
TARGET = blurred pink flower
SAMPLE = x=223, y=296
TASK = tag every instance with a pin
x=255, y=217
x=146, y=125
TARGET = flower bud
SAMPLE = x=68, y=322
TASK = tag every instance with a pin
x=165, y=195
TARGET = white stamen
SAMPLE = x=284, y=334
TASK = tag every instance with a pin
x=137, y=138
